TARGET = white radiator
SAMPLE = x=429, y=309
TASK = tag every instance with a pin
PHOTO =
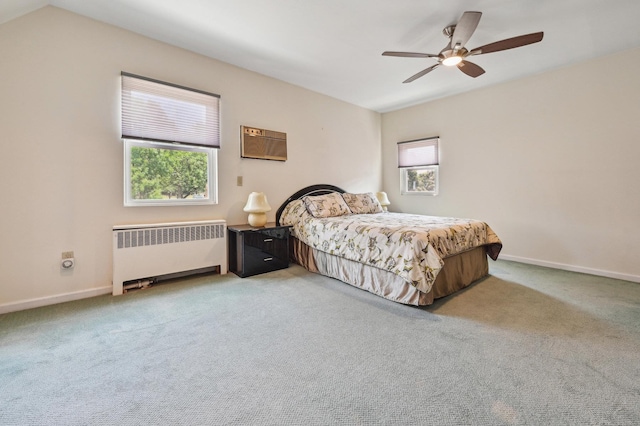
x=146, y=251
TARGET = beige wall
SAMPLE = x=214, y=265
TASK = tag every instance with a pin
x=61, y=163
x=550, y=162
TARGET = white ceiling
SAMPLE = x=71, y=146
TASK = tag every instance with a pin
x=334, y=46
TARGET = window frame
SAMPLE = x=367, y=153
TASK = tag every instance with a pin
x=404, y=180
x=212, y=169
x=160, y=115
x=419, y=155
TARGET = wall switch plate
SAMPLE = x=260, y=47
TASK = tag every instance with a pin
x=239, y=180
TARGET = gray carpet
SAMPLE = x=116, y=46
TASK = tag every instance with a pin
x=527, y=345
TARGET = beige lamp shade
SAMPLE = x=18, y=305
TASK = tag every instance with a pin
x=383, y=199
x=257, y=206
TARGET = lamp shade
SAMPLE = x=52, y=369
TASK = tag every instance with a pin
x=383, y=199
x=257, y=206
x=257, y=203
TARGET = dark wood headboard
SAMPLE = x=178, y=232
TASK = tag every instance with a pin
x=320, y=189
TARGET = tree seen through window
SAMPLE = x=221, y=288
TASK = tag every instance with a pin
x=421, y=180
x=158, y=173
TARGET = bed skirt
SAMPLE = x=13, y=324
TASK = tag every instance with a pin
x=459, y=271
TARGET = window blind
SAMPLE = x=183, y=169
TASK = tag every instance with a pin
x=417, y=153
x=163, y=112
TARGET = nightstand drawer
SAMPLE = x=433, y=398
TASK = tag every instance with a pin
x=257, y=261
x=269, y=242
x=257, y=250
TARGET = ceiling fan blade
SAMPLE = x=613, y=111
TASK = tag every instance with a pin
x=509, y=43
x=421, y=73
x=470, y=69
x=465, y=28
x=409, y=54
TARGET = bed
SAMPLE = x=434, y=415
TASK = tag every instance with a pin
x=410, y=259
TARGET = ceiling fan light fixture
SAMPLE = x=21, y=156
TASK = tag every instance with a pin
x=455, y=52
x=451, y=61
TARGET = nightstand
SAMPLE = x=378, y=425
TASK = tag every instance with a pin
x=255, y=251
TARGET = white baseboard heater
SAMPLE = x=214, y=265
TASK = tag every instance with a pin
x=142, y=252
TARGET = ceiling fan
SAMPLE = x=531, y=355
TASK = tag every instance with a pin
x=456, y=54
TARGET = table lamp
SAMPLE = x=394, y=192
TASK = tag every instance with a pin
x=383, y=199
x=257, y=206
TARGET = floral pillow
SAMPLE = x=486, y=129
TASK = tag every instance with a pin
x=362, y=203
x=328, y=205
x=293, y=213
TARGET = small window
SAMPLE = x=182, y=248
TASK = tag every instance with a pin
x=419, y=180
x=171, y=135
x=418, y=161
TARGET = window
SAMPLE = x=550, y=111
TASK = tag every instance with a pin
x=165, y=174
x=418, y=161
x=171, y=135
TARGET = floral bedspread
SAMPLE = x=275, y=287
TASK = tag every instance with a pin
x=411, y=246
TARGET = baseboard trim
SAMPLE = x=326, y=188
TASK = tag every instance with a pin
x=572, y=268
x=52, y=300
x=99, y=291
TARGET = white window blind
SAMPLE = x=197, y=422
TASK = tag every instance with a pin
x=163, y=112
x=418, y=153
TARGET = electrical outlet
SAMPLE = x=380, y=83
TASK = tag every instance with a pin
x=67, y=255
x=239, y=180
x=67, y=264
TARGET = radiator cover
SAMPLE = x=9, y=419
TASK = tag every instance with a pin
x=151, y=250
